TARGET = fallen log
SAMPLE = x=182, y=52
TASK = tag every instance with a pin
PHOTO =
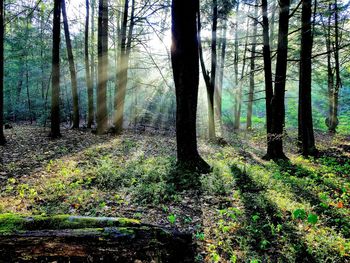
x=90, y=239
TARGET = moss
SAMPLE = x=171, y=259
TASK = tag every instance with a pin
x=13, y=222
x=10, y=223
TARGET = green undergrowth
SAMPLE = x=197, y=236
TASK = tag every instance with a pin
x=250, y=210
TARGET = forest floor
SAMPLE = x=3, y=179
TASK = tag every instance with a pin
x=246, y=210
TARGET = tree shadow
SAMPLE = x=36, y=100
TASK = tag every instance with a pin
x=263, y=232
x=336, y=219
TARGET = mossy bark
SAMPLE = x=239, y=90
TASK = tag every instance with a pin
x=78, y=239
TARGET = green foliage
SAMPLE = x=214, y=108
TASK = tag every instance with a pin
x=299, y=214
x=172, y=219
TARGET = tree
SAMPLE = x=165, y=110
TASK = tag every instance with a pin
x=123, y=61
x=185, y=63
x=88, y=73
x=210, y=78
x=333, y=68
x=2, y=137
x=55, y=97
x=305, y=125
x=275, y=108
x=102, y=117
x=252, y=69
x=275, y=146
x=221, y=69
x=72, y=71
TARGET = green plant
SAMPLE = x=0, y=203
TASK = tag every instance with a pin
x=172, y=219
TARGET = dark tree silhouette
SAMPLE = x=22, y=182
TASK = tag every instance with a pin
x=185, y=63
x=55, y=97
x=275, y=140
x=88, y=73
x=267, y=70
x=123, y=64
x=210, y=78
x=102, y=117
x=252, y=69
x=305, y=125
x=73, y=75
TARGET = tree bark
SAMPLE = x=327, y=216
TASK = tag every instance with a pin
x=73, y=75
x=238, y=98
x=210, y=78
x=90, y=91
x=123, y=65
x=2, y=137
x=185, y=64
x=102, y=117
x=55, y=96
x=212, y=88
x=267, y=70
x=235, y=62
x=252, y=69
x=92, y=63
x=219, y=86
x=333, y=118
x=305, y=124
x=275, y=145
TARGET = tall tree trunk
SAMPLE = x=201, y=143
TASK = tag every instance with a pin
x=275, y=144
x=305, y=125
x=211, y=91
x=72, y=71
x=210, y=79
x=333, y=118
x=2, y=137
x=252, y=69
x=185, y=64
x=92, y=63
x=235, y=62
x=123, y=65
x=28, y=93
x=268, y=75
x=238, y=98
x=102, y=117
x=90, y=91
x=219, y=86
x=55, y=96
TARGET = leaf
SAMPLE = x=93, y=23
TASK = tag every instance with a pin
x=312, y=219
x=299, y=214
x=172, y=218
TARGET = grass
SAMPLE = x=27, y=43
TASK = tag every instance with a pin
x=246, y=210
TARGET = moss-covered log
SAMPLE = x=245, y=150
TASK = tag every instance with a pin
x=89, y=239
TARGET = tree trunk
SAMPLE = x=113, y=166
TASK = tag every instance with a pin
x=252, y=69
x=211, y=91
x=185, y=64
x=305, y=125
x=267, y=71
x=123, y=64
x=102, y=118
x=90, y=91
x=28, y=93
x=72, y=71
x=235, y=62
x=219, y=86
x=93, y=66
x=2, y=137
x=275, y=145
x=238, y=98
x=55, y=96
x=333, y=120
